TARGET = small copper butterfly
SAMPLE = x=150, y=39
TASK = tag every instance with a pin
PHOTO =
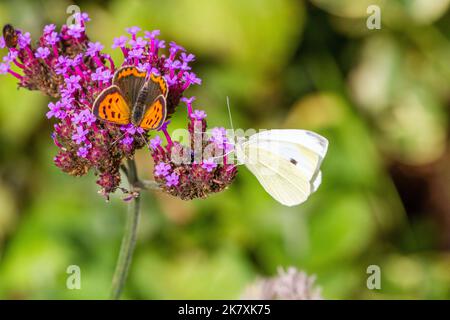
x=134, y=97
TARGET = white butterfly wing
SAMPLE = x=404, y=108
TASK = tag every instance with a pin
x=304, y=138
x=307, y=148
x=285, y=162
x=279, y=177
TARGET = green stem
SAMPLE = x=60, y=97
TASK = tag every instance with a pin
x=129, y=237
x=148, y=185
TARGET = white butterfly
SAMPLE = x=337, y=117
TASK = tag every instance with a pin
x=285, y=162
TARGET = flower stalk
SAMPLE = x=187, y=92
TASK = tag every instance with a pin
x=130, y=234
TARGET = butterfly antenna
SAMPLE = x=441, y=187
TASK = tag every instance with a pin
x=223, y=155
x=146, y=142
x=121, y=136
x=115, y=141
x=229, y=113
x=231, y=119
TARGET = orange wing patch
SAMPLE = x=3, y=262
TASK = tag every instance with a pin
x=161, y=82
x=129, y=71
x=112, y=107
x=155, y=115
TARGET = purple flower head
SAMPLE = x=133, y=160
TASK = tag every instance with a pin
x=81, y=17
x=136, y=53
x=67, y=92
x=172, y=80
x=83, y=152
x=4, y=68
x=209, y=164
x=73, y=83
x=162, y=169
x=151, y=34
x=155, y=142
x=56, y=110
x=174, y=48
x=75, y=62
x=78, y=59
x=24, y=40
x=42, y=52
x=164, y=126
x=52, y=38
x=101, y=74
x=2, y=42
x=218, y=136
x=49, y=29
x=61, y=65
x=119, y=42
x=67, y=101
x=218, y=132
x=11, y=56
x=155, y=71
x=187, y=57
x=75, y=30
x=84, y=116
x=188, y=101
x=229, y=146
x=94, y=48
x=127, y=141
x=138, y=43
x=191, y=77
x=160, y=44
x=144, y=67
x=172, y=179
x=185, y=66
x=80, y=135
x=133, y=30
x=172, y=65
x=198, y=115
x=131, y=129
x=70, y=62
x=85, y=17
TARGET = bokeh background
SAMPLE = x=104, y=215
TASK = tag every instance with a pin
x=381, y=97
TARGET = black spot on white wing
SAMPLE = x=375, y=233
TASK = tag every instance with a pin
x=293, y=161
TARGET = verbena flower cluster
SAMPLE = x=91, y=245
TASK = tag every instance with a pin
x=69, y=67
x=198, y=169
x=290, y=284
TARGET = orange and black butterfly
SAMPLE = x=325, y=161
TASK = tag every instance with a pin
x=133, y=98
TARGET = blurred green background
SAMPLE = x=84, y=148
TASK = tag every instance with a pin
x=381, y=97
